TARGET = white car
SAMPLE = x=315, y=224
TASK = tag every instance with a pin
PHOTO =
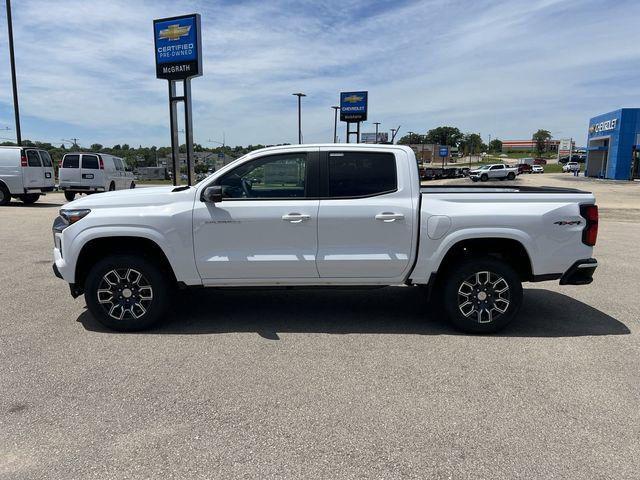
x=267, y=219
x=537, y=169
x=25, y=174
x=93, y=172
x=571, y=167
x=491, y=172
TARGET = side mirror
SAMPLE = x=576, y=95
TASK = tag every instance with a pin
x=212, y=194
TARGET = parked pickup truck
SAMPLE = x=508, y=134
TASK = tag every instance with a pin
x=492, y=172
x=338, y=215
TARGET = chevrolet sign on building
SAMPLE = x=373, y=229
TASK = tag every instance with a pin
x=178, y=47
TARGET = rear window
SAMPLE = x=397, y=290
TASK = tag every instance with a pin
x=71, y=161
x=46, y=159
x=118, y=163
x=33, y=158
x=359, y=174
x=90, y=162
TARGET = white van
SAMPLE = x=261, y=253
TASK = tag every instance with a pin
x=93, y=172
x=25, y=173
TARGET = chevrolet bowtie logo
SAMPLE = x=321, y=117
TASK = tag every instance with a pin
x=174, y=32
x=353, y=99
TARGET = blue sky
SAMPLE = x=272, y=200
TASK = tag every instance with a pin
x=505, y=69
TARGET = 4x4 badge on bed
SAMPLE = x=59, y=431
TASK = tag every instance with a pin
x=568, y=222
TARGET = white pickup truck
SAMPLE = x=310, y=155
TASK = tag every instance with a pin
x=324, y=215
x=492, y=172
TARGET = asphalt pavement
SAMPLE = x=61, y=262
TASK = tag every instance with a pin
x=320, y=384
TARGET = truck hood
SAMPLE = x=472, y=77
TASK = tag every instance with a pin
x=134, y=197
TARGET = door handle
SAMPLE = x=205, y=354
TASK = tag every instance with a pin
x=388, y=217
x=295, y=217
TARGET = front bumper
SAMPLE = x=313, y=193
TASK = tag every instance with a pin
x=580, y=273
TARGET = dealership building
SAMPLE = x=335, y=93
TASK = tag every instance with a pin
x=613, y=145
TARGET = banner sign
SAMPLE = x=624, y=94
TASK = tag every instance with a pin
x=178, y=47
x=444, y=151
x=366, y=137
x=353, y=106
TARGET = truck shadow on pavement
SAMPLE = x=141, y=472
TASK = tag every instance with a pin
x=391, y=310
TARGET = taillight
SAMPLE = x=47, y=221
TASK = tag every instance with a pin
x=101, y=163
x=590, y=232
x=23, y=159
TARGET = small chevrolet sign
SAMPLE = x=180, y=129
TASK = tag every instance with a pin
x=178, y=47
x=353, y=106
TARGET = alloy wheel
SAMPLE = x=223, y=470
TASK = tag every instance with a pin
x=483, y=296
x=125, y=293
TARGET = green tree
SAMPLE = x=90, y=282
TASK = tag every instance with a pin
x=412, y=139
x=495, y=145
x=96, y=147
x=541, y=137
x=471, y=144
x=450, y=136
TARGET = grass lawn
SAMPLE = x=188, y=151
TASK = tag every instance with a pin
x=153, y=182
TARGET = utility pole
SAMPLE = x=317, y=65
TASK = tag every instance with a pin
x=299, y=95
x=335, y=123
x=72, y=141
x=376, y=124
x=393, y=134
x=12, y=60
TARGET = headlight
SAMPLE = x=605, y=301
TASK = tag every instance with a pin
x=71, y=216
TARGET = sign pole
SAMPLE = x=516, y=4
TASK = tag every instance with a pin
x=12, y=61
x=188, y=130
x=358, y=133
x=173, y=123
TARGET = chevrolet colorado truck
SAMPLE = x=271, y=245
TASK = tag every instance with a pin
x=338, y=215
x=491, y=172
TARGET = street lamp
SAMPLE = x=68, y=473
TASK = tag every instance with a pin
x=376, y=124
x=410, y=133
x=299, y=95
x=393, y=134
x=335, y=123
x=14, y=83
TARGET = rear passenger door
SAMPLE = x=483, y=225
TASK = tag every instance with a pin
x=33, y=173
x=91, y=173
x=366, y=215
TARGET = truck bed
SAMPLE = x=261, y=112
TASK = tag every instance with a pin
x=436, y=189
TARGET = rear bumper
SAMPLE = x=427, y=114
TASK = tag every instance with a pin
x=580, y=273
x=81, y=188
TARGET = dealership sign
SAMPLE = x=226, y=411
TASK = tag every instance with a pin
x=353, y=106
x=444, y=151
x=178, y=47
x=603, y=126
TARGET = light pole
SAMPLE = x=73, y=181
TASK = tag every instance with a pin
x=393, y=134
x=299, y=95
x=12, y=60
x=335, y=123
x=376, y=124
x=410, y=133
x=73, y=142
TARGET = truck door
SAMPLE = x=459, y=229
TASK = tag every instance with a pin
x=33, y=172
x=266, y=226
x=496, y=171
x=47, y=164
x=366, y=217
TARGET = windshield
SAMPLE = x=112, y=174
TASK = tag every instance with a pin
x=484, y=167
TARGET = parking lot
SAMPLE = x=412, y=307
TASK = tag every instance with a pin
x=329, y=384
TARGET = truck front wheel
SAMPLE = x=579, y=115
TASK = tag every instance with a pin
x=126, y=293
x=482, y=295
x=484, y=177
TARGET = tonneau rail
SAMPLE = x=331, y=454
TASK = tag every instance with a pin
x=497, y=189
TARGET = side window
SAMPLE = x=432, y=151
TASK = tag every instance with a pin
x=360, y=174
x=90, y=162
x=71, y=161
x=46, y=159
x=497, y=167
x=33, y=158
x=118, y=163
x=277, y=176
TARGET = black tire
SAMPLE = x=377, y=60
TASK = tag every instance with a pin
x=5, y=195
x=475, y=298
x=511, y=176
x=29, y=198
x=113, y=289
x=132, y=186
x=112, y=187
x=474, y=179
x=484, y=177
x=69, y=196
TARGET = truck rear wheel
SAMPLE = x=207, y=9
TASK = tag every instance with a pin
x=511, y=175
x=482, y=295
x=29, y=198
x=5, y=195
x=126, y=292
x=69, y=196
